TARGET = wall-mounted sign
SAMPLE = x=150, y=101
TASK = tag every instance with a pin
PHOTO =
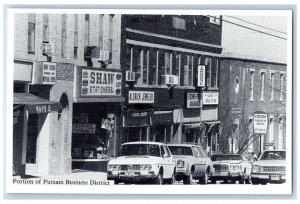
x=100, y=83
x=210, y=98
x=193, y=100
x=140, y=97
x=201, y=76
x=84, y=128
x=106, y=124
x=260, y=123
x=49, y=73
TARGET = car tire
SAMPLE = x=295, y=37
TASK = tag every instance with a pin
x=242, y=180
x=254, y=181
x=203, y=180
x=213, y=181
x=159, y=179
x=171, y=180
x=188, y=179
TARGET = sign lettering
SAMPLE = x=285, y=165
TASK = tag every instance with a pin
x=201, y=76
x=210, y=98
x=140, y=97
x=49, y=73
x=260, y=123
x=193, y=100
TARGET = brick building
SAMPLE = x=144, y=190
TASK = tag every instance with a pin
x=252, y=79
x=160, y=58
x=56, y=117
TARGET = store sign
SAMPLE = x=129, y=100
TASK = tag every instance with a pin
x=210, y=98
x=260, y=123
x=49, y=73
x=141, y=97
x=106, y=124
x=201, y=76
x=100, y=83
x=193, y=100
x=84, y=128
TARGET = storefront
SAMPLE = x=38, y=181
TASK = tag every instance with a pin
x=97, y=117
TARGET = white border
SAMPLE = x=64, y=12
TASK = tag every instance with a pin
x=147, y=189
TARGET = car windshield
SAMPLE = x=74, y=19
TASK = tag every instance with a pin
x=273, y=155
x=140, y=150
x=178, y=150
x=225, y=157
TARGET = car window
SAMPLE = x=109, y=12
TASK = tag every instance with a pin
x=197, y=152
x=273, y=155
x=140, y=150
x=204, y=155
x=181, y=150
x=167, y=151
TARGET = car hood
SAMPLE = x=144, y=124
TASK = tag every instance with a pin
x=182, y=157
x=270, y=162
x=135, y=160
x=228, y=162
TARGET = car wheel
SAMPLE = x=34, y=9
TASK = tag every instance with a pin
x=171, y=180
x=203, y=180
x=117, y=182
x=188, y=179
x=213, y=181
x=248, y=180
x=242, y=180
x=254, y=181
x=233, y=181
x=158, y=180
x=225, y=180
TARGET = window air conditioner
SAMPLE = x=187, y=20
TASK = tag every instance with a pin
x=171, y=80
x=104, y=55
x=130, y=76
x=47, y=48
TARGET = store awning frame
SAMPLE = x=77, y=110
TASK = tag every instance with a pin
x=193, y=125
x=35, y=104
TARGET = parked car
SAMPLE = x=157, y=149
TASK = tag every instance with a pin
x=270, y=167
x=233, y=167
x=191, y=163
x=142, y=162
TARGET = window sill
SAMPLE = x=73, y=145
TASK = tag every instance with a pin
x=251, y=99
x=262, y=100
x=160, y=86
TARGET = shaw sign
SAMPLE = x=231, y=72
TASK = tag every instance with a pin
x=260, y=122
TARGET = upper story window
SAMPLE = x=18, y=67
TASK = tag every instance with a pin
x=86, y=29
x=179, y=23
x=251, y=84
x=168, y=63
x=215, y=71
x=208, y=68
x=110, y=35
x=272, y=77
x=64, y=35
x=101, y=30
x=281, y=87
x=153, y=67
x=45, y=28
x=31, y=34
x=262, y=81
x=215, y=19
x=75, y=36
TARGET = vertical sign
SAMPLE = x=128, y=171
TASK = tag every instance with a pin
x=201, y=76
x=260, y=122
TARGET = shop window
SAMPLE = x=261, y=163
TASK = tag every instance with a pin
x=135, y=134
x=64, y=36
x=75, y=54
x=31, y=34
x=32, y=135
x=45, y=28
x=161, y=133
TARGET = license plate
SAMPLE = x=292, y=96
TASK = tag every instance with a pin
x=275, y=178
x=130, y=173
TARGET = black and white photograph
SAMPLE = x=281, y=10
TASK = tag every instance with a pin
x=149, y=101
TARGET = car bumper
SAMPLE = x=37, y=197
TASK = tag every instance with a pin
x=268, y=177
x=181, y=172
x=228, y=175
x=130, y=177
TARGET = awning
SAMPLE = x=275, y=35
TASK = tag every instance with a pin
x=193, y=125
x=137, y=118
x=35, y=104
x=211, y=124
x=162, y=118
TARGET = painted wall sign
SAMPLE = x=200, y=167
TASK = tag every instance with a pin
x=201, y=76
x=210, y=98
x=49, y=73
x=87, y=128
x=193, y=100
x=140, y=97
x=260, y=123
x=100, y=83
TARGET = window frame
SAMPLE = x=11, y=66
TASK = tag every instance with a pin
x=272, y=84
x=252, y=72
x=262, y=81
x=31, y=33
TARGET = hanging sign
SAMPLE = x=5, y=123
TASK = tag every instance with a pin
x=49, y=73
x=260, y=123
x=106, y=124
x=210, y=98
x=193, y=100
x=201, y=76
x=100, y=83
x=141, y=97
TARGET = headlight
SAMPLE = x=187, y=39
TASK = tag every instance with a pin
x=146, y=167
x=180, y=164
x=114, y=167
x=255, y=169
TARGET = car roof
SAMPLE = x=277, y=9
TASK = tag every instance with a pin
x=227, y=154
x=275, y=150
x=185, y=145
x=144, y=142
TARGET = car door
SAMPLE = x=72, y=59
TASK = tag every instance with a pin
x=206, y=158
x=168, y=161
x=199, y=162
